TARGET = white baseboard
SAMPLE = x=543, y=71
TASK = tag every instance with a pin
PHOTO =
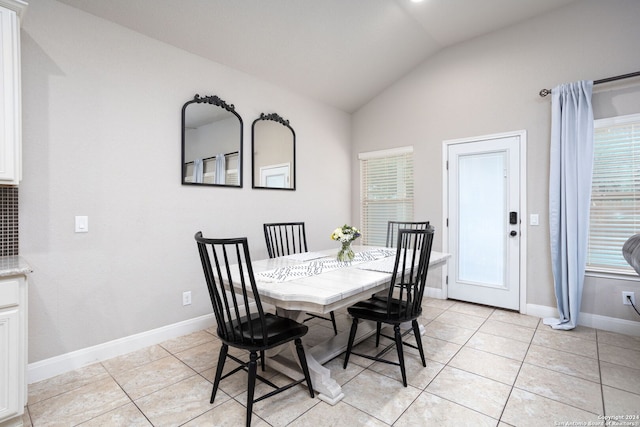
x=541, y=311
x=605, y=323
x=434, y=293
x=612, y=324
x=57, y=365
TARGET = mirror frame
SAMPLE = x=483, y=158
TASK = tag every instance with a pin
x=276, y=118
x=213, y=100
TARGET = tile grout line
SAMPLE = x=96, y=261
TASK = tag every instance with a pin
x=452, y=367
x=573, y=376
x=604, y=409
x=499, y=419
x=126, y=394
x=515, y=379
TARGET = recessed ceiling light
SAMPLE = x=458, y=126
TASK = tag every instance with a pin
x=416, y=1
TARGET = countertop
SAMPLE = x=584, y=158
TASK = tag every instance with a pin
x=13, y=266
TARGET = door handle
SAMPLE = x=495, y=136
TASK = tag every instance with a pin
x=513, y=233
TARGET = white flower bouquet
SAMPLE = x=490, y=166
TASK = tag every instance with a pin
x=345, y=235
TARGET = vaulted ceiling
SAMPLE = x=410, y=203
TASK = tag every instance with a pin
x=340, y=52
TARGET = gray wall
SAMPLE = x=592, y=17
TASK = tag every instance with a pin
x=102, y=109
x=490, y=85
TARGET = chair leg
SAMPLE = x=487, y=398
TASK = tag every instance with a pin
x=378, y=331
x=416, y=332
x=303, y=364
x=352, y=336
x=398, y=336
x=262, y=360
x=333, y=322
x=253, y=367
x=222, y=357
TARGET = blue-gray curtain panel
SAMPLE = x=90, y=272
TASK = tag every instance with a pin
x=198, y=169
x=221, y=169
x=570, y=195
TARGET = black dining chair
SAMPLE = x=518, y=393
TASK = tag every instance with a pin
x=241, y=321
x=392, y=238
x=403, y=302
x=287, y=238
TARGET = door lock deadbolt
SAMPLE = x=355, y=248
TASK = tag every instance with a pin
x=513, y=218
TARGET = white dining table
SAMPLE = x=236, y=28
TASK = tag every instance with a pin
x=334, y=287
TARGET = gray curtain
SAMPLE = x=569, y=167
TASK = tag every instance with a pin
x=570, y=195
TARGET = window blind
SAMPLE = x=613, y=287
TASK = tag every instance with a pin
x=615, y=194
x=386, y=192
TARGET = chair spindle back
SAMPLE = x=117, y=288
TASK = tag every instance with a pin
x=413, y=251
x=394, y=226
x=232, y=289
x=285, y=238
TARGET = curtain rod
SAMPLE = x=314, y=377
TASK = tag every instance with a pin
x=545, y=92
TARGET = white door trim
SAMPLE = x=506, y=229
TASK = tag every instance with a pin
x=522, y=135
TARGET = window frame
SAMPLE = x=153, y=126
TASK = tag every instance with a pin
x=381, y=154
x=612, y=272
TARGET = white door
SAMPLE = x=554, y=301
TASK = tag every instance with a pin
x=275, y=176
x=484, y=210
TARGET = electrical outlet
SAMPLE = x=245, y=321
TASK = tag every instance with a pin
x=625, y=300
x=186, y=298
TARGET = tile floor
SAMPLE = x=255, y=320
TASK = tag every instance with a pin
x=485, y=367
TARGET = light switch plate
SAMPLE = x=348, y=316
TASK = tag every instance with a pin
x=534, y=219
x=82, y=224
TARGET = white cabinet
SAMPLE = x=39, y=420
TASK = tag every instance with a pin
x=10, y=105
x=13, y=349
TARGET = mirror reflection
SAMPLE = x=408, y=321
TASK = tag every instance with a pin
x=273, y=153
x=211, y=143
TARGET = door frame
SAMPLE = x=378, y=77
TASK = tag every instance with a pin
x=522, y=135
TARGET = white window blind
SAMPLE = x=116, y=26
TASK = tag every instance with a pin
x=386, y=192
x=615, y=194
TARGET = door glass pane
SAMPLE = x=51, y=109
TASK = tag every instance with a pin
x=482, y=216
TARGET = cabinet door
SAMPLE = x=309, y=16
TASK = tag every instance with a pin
x=10, y=114
x=10, y=386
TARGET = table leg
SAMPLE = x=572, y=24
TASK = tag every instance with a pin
x=285, y=362
x=327, y=388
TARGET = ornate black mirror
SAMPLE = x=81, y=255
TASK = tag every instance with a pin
x=273, y=150
x=211, y=143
